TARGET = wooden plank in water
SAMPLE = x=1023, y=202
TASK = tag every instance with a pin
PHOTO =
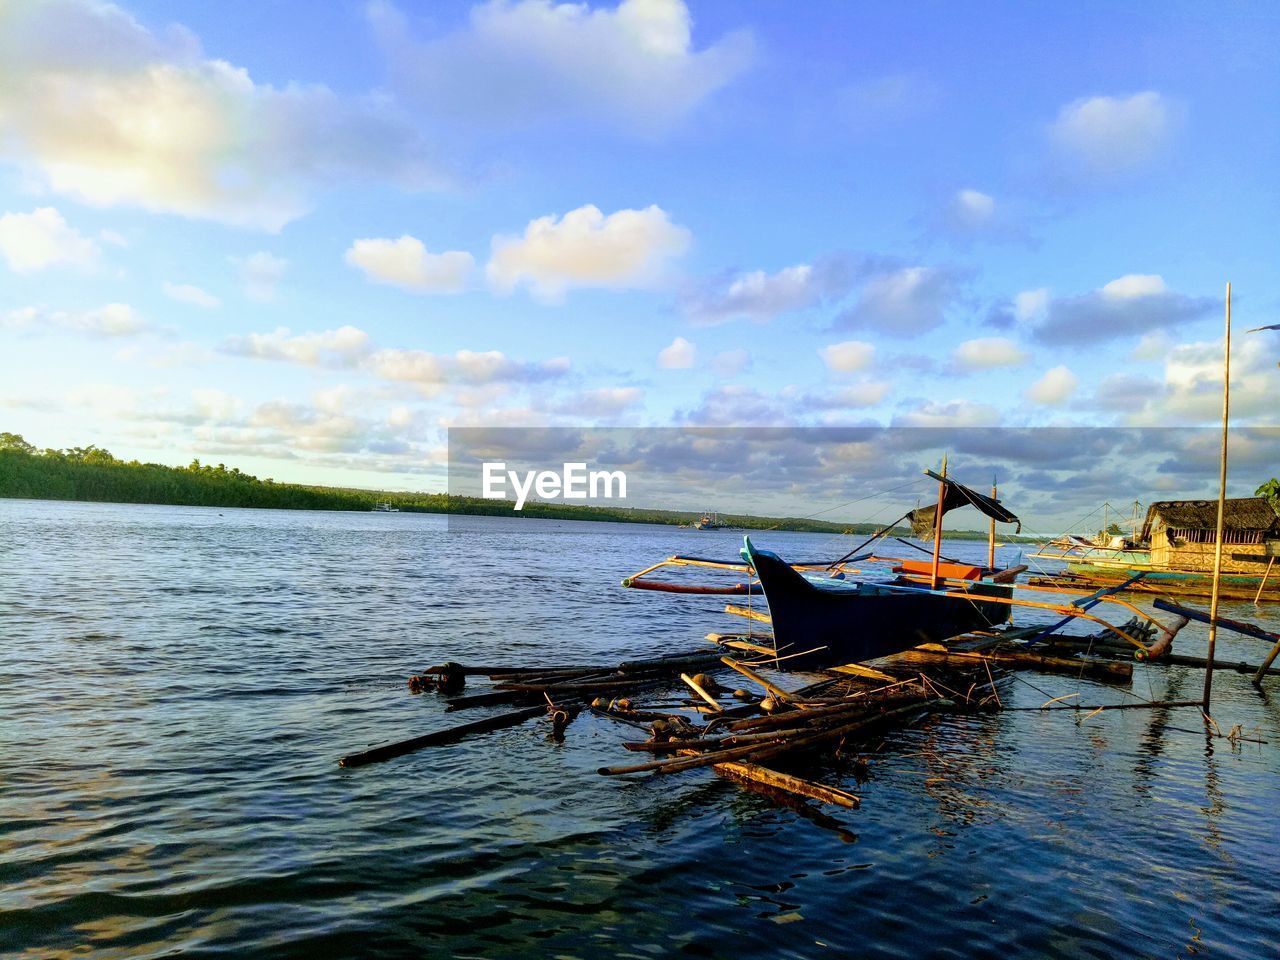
x=750, y=614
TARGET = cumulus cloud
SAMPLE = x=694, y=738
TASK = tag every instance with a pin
x=260, y=273
x=678, y=355
x=42, y=238
x=628, y=249
x=341, y=347
x=848, y=356
x=903, y=302
x=632, y=68
x=1054, y=388
x=972, y=209
x=988, y=353
x=1193, y=383
x=601, y=402
x=186, y=293
x=406, y=263
x=952, y=413
x=761, y=296
x=110, y=320
x=1108, y=135
x=471, y=367
x=95, y=106
x=1127, y=306
x=730, y=363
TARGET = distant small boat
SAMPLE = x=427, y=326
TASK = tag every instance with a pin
x=710, y=521
x=384, y=507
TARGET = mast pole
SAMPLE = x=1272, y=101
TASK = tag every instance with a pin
x=1222, y=507
x=937, y=525
x=991, y=532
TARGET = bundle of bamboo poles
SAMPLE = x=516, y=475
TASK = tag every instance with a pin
x=785, y=724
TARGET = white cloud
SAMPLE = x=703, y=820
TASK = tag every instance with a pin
x=406, y=263
x=340, y=347
x=1193, y=383
x=730, y=363
x=1054, y=388
x=95, y=106
x=988, y=353
x=762, y=296
x=1127, y=306
x=110, y=320
x=848, y=356
x=260, y=272
x=1153, y=346
x=1133, y=285
x=632, y=68
x=466, y=366
x=1031, y=305
x=628, y=249
x=1105, y=135
x=953, y=413
x=678, y=355
x=42, y=238
x=602, y=402
x=972, y=209
x=186, y=293
x=856, y=396
x=903, y=302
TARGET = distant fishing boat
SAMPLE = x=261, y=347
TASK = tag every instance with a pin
x=384, y=507
x=1175, y=548
x=709, y=521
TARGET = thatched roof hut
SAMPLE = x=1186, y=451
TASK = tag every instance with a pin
x=1241, y=515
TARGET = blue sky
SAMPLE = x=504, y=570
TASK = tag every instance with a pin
x=306, y=238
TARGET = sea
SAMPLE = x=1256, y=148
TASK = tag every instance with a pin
x=177, y=685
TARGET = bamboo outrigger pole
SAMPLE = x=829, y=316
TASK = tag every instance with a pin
x=1222, y=506
x=991, y=532
x=937, y=526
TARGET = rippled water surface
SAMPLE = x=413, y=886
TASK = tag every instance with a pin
x=176, y=685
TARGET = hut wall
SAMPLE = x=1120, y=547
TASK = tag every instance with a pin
x=1183, y=554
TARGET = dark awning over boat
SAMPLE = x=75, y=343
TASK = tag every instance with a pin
x=923, y=519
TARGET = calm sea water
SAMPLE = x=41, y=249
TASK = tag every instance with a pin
x=176, y=685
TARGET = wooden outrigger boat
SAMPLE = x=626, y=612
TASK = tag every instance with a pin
x=822, y=615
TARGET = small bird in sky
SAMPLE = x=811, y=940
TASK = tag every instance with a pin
x=1274, y=326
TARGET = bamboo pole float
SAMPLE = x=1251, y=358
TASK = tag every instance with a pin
x=1108, y=706
x=754, y=773
x=1112, y=670
x=937, y=527
x=439, y=737
x=1222, y=505
x=748, y=613
x=758, y=751
x=1266, y=666
x=1257, y=597
x=700, y=691
x=754, y=677
x=991, y=532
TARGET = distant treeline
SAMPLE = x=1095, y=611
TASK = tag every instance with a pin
x=91, y=473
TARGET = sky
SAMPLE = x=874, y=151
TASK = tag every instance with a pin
x=308, y=239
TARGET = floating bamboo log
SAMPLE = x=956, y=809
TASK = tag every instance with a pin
x=1107, y=670
x=440, y=737
x=754, y=773
x=700, y=691
x=756, y=615
x=754, y=677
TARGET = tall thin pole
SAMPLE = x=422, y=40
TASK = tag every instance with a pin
x=1222, y=506
x=991, y=532
x=937, y=525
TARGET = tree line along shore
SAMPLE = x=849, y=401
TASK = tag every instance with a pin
x=94, y=474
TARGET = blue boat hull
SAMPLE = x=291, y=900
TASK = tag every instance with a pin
x=818, y=626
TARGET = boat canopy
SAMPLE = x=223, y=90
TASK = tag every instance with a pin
x=923, y=519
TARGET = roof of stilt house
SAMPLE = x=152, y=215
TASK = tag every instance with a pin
x=1241, y=513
